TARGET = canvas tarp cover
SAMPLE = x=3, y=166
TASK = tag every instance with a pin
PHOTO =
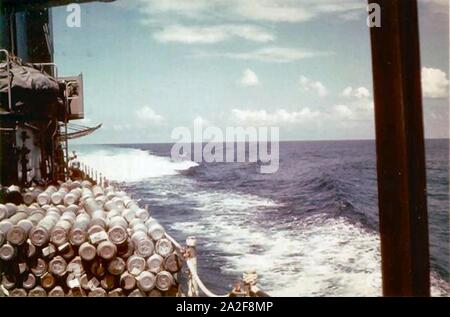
x=34, y=92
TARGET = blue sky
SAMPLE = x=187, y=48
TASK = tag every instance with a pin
x=302, y=65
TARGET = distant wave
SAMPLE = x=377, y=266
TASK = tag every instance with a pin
x=311, y=229
x=129, y=165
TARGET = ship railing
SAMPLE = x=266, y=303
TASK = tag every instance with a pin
x=195, y=284
x=6, y=53
x=93, y=174
x=42, y=65
x=190, y=255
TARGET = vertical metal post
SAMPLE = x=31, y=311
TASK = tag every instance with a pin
x=400, y=150
x=191, y=253
x=66, y=151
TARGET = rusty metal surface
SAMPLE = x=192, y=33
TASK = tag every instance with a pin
x=400, y=150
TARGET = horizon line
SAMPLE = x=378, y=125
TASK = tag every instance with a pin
x=281, y=141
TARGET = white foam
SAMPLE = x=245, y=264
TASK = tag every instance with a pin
x=315, y=256
x=333, y=258
x=321, y=256
x=130, y=165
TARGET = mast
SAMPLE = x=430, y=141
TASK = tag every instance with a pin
x=402, y=191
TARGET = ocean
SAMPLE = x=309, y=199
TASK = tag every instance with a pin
x=311, y=229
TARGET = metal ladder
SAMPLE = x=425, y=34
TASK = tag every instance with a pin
x=64, y=146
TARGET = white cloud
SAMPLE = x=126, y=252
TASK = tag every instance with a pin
x=435, y=83
x=189, y=8
x=199, y=120
x=311, y=85
x=297, y=11
x=274, y=11
x=361, y=92
x=358, y=105
x=438, y=2
x=356, y=110
x=275, y=54
x=211, y=34
x=344, y=111
x=347, y=92
x=292, y=11
x=248, y=78
x=267, y=54
x=147, y=114
x=277, y=117
x=353, y=15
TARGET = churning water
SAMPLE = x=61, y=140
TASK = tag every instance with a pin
x=311, y=229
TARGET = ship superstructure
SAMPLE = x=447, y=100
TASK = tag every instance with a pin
x=37, y=106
